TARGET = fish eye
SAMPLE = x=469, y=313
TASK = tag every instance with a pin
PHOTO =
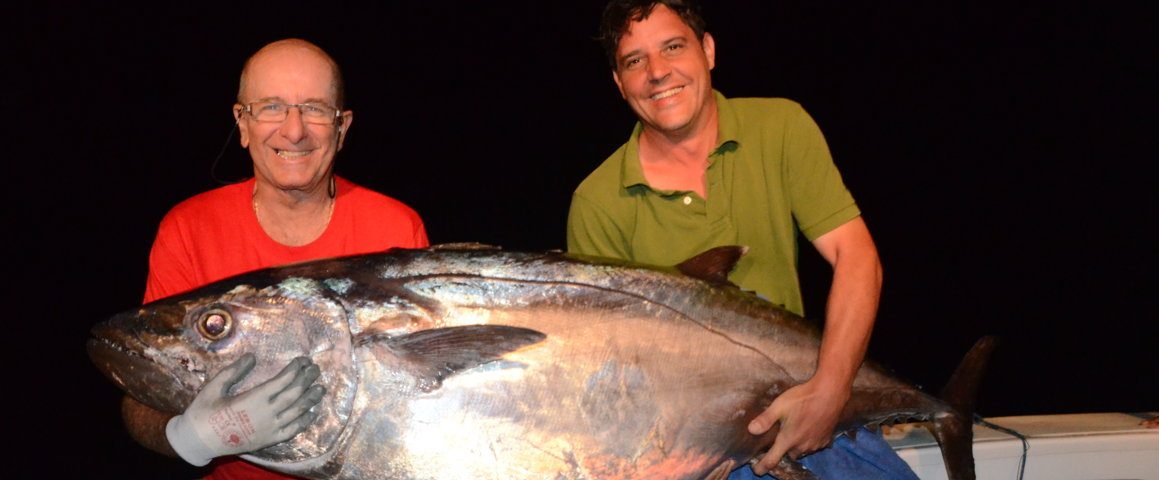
x=215, y=324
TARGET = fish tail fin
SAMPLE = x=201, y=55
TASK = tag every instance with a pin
x=954, y=430
x=961, y=389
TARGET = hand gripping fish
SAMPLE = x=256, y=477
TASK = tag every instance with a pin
x=468, y=361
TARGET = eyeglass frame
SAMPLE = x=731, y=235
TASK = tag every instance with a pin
x=248, y=109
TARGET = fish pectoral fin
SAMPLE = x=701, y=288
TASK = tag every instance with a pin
x=441, y=352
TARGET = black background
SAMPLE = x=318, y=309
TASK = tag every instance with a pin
x=1003, y=156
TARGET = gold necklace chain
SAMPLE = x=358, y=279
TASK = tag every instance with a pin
x=325, y=225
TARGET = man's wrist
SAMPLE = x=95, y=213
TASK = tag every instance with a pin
x=186, y=442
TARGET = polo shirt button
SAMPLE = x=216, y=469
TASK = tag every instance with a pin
x=687, y=200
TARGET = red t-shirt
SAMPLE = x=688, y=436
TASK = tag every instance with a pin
x=215, y=235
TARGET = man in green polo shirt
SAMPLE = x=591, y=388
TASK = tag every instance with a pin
x=701, y=170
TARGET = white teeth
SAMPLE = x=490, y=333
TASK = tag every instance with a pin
x=289, y=154
x=666, y=93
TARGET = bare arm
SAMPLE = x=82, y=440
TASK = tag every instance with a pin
x=852, y=304
x=809, y=412
x=146, y=425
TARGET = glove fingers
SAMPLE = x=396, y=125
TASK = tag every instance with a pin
x=269, y=390
x=297, y=426
x=298, y=415
x=296, y=388
x=230, y=375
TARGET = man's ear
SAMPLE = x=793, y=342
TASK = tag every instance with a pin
x=619, y=85
x=344, y=122
x=243, y=128
x=709, y=46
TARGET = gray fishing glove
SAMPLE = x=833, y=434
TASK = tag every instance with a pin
x=217, y=424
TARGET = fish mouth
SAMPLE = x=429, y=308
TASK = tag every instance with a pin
x=127, y=361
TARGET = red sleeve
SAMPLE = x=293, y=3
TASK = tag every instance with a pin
x=170, y=267
x=420, y=237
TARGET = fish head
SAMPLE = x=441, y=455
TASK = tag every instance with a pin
x=162, y=353
x=143, y=353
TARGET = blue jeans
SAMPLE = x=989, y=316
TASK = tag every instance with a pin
x=869, y=457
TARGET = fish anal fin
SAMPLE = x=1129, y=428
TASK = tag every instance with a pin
x=441, y=352
x=788, y=469
x=713, y=265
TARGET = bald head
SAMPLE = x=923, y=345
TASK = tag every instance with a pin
x=300, y=52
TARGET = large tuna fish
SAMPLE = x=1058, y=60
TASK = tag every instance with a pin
x=473, y=362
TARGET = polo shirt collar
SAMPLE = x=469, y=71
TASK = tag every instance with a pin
x=727, y=125
x=631, y=172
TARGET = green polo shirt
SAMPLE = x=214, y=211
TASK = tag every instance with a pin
x=769, y=177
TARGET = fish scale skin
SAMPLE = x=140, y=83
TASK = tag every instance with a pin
x=481, y=363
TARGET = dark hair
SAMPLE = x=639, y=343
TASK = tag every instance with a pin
x=619, y=13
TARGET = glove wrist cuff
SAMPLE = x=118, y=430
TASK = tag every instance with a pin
x=186, y=442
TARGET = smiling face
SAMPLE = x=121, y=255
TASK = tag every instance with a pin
x=662, y=71
x=291, y=154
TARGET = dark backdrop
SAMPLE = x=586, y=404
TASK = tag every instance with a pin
x=1003, y=156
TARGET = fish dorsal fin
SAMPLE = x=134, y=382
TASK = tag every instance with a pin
x=465, y=246
x=441, y=352
x=713, y=265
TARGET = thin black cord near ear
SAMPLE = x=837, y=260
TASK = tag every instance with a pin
x=213, y=168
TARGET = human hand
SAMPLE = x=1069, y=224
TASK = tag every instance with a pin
x=807, y=413
x=217, y=424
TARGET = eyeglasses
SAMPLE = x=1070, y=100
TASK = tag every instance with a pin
x=312, y=113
